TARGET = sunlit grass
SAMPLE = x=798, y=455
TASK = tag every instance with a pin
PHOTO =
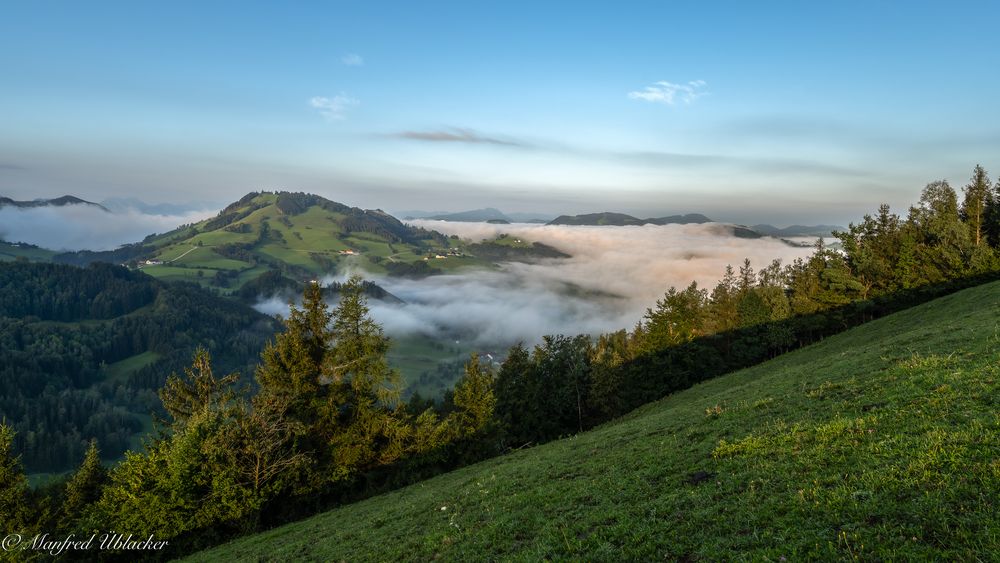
x=882, y=443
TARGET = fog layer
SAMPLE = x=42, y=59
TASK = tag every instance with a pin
x=86, y=227
x=615, y=273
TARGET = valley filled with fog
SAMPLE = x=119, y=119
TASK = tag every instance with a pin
x=615, y=274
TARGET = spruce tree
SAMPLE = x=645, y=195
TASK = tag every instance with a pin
x=84, y=488
x=977, y=195
x=474, y=397
x=361, y=409
x=291, y=365
x=199, y=391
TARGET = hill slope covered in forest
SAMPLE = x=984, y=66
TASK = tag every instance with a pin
x=877, y=443
x=84, y=350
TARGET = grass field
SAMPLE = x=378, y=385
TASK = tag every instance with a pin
x=9, y=252
x=120, y=370
x=882, y=443
x=416, y=355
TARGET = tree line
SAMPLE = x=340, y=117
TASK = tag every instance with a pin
x=326, y=424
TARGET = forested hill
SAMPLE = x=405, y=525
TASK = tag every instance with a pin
x=83, y=351
x=302, y=236
x=879, y=443
x=621, y=219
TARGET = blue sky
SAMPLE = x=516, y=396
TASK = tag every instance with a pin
x=765, y=111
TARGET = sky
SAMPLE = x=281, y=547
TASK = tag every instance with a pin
x=747, y=112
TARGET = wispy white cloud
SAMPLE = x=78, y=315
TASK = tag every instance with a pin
x=333, y=108
x=353, y=59
x=668, y=93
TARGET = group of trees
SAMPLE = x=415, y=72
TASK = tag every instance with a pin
x=325, y=412
x=325, y=423
x=886, y=263
x=63, y=328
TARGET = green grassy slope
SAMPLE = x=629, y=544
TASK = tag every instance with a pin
x=12, y=251
x=306, y=235
x=879, y=443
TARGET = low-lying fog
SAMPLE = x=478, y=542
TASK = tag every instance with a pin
x=86, y=227
x=615, y=273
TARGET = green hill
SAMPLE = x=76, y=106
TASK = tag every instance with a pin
x=303, y=236
x=881, y=443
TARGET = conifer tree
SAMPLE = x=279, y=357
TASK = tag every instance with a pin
x=977, y=195
x=292, y=364
x=199, y=391
x=361, y=409
x=474, y=397
x=84, y=488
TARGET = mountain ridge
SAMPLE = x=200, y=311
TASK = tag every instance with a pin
x=608, y=218
x=61, y=201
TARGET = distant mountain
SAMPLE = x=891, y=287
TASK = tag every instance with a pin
x=55, y=202
x=690, y=218
x=621, y=219
x=473, y=216
x=605, y=218
x=408, y=214
x=798, y=230
x=487, y=215
x=523, y=217
x=123, y=204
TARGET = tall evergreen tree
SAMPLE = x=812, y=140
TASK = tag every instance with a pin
x=516, y=386
x=291, y=366
x=991, y=216
x=361, y=407
x=474, y=397
x=199, y=391
x=943, y=245
x=977, y=196
x=84, y=488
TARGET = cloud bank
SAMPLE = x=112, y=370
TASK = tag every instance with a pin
x=86, y=227
x=614, y=275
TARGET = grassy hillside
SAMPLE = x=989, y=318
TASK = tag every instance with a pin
x=304, y=236
x=10, y=251
x=879, y=443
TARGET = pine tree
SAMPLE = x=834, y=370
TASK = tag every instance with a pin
x=474, y=398
x=361, y=407
x=516, y=386
x=991, y=216
x=977, y=195
x=291, y=366
x=199, y=391
x=329, y=372
x=84, y=488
